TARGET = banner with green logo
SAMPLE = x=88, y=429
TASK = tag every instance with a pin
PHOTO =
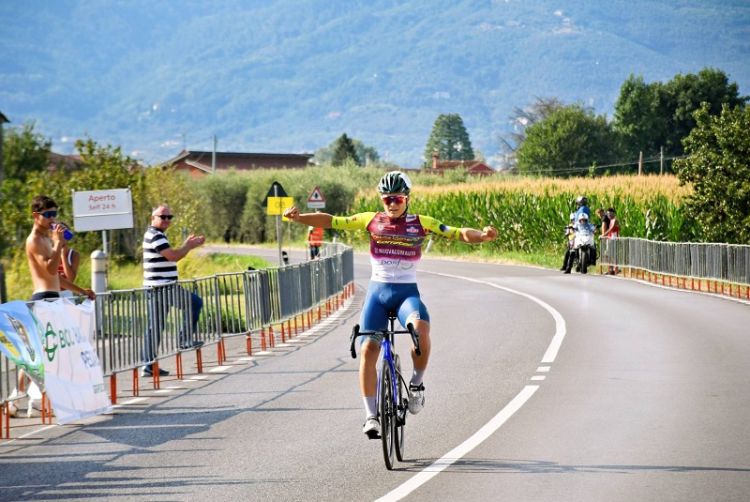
x=72, y=373
x=20, y=339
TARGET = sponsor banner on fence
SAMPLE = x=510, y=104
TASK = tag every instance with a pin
x=72, y=372
x=19, y=339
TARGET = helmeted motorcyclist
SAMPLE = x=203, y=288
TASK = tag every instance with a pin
x=582, y=206
x=570, y=235
x=584, y=231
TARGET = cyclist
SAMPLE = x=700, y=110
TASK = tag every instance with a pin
x=396, y=238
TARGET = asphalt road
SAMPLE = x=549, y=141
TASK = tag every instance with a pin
x=541, y=387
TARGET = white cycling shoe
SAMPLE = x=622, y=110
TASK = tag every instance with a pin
x=416, y=398
x=372, y=428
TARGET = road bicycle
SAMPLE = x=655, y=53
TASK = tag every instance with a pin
x=393, y=391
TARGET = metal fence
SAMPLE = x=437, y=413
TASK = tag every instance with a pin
x=727, y=263
x=137, y=325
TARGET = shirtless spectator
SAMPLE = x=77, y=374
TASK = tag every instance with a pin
x=44, y=247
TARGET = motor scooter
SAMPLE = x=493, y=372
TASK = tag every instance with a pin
x=584, y=248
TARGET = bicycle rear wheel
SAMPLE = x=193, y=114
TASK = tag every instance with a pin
x=401, y=411
x=387, y=415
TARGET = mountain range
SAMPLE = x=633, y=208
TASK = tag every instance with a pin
x=157, y=76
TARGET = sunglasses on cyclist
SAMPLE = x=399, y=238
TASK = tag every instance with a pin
x=165, y=216
x=49, y=214
x=390, y=199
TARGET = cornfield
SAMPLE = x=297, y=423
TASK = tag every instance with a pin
x=531, y=213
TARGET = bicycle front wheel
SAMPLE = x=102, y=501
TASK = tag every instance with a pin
x=387, y=414
x=401, y=411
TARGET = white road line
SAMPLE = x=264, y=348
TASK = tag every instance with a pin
x=538, y=378
x=459, y=451
x=543, y=369
x=131, y=401
x=219, y=368
x=29, y=434
x=498, y=420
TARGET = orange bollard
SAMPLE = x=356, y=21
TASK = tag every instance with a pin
x=249, y=344
x=271, y=337
x=283, y=337
x=156, y=376
x=136, y=383
x=5, y=426
x=113, y=388
x=178, y=363
x=44, y=412
x=295, y=326
x=263, y=345
x=199, y=359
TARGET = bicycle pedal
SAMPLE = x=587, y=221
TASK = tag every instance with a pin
x=373, y=435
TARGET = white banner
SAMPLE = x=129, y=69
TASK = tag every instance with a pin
x=72, y=374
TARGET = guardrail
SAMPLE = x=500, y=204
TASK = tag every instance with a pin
x=256, y=304
x=716, y=268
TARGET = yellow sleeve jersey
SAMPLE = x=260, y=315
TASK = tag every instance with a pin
x=395, y=245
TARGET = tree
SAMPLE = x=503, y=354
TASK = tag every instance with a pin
x=25, y=151
x=718, y=167
x=522, y=118
x=651, y=116
x=566, y=142
x=638, y=118
x=343, y=151
x=685, y=94
x=367, y=155
x=449, y=140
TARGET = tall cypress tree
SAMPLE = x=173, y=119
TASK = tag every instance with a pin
x=344, y=149
x=449, y=139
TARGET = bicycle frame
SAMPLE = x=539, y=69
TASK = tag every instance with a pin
x=393, y=408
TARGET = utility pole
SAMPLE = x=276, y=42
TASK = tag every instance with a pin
x=640, y=163
x=661, y=160
x=213, y=157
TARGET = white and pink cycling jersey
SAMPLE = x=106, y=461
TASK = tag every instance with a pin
x=395, y=244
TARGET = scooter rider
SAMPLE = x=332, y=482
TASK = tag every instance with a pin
x=583, y=229
x=570, y=235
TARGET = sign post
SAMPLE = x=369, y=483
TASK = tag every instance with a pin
x=316, y=200
x=102, y=210
x=276, y=201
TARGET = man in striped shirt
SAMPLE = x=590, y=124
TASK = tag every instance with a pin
x=160, y=277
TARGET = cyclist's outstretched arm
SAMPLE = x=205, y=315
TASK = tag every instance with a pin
x=474, y=236
x=322, y=220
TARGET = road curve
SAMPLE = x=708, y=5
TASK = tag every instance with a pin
x=645, y=399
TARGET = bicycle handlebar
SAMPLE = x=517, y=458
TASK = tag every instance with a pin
x=410, y=329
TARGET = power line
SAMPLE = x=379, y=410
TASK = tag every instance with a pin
x=575, y=169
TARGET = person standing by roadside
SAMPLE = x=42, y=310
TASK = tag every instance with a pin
x=613, y=232
x=70, y=259
x=604, y=219
x=160, y=277
x=315, y=240
x=44, y=248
